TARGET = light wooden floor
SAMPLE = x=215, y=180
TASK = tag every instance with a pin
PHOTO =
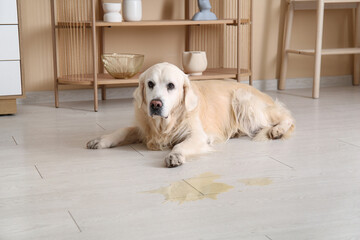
x=51, y=187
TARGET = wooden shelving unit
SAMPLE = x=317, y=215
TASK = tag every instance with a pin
x=76, y=33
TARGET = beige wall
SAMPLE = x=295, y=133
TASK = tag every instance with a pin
x=166, y=44
x=37, y=44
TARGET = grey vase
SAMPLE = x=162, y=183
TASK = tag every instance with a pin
x=205, y=14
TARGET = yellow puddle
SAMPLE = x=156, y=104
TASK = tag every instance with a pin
x=256, y=181
x=193, y=189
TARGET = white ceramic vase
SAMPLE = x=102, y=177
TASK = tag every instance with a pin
x=194, y=62
x=112, y=12
x=132, y=10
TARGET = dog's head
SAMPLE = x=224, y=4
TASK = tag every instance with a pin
x=162, y=88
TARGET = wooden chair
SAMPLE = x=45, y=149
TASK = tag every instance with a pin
x=318, y=52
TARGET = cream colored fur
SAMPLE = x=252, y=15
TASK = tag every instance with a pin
x=203, y=113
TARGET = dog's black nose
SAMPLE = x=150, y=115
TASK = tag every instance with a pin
x=156, y=105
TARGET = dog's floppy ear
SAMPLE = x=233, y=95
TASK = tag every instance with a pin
x=191, y=100
x=140, y=91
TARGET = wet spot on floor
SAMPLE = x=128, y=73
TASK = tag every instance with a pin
x=256, y=181
x=193, y=189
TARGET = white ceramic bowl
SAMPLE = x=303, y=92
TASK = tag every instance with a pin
x=194, y=62
x=111, y=7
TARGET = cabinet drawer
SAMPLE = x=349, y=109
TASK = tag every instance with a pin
x=10, y=78
x=8, y=12
x=9, y=42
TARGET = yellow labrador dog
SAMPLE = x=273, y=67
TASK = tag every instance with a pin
x=189, y=117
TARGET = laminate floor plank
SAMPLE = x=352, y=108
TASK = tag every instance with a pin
x=307, y=187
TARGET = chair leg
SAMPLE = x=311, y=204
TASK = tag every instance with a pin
x=318, y=48
x=286, y=45
x=356, y=77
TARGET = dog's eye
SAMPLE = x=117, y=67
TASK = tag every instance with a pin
x=151, y=84
x=170, y=86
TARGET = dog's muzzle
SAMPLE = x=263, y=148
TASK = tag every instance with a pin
x=156, y=107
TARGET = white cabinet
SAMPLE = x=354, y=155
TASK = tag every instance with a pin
x=11, y=81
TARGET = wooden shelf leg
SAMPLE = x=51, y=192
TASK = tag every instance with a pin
x=238, y=76
x=54, y=41
x=95, y=55
x=356, y=77
x=318, y=48
x=286, y=45
x=103, y=92
x=187, y=31
x=251, y=42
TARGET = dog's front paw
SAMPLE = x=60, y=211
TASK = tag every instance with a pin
x=174, y=160
x=276, y=132
x=97, y=143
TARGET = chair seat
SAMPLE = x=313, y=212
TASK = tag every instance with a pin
x=327, y=1
x=335, y=4
x=326, y=52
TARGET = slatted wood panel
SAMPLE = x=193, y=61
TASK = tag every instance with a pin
x=74, y=37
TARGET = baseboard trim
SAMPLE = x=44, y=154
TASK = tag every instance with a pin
x=126, y=93
x=297, y=83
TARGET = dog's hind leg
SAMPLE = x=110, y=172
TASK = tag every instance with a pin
x=281, y=121
x=261, y=118
x=122, y=136
x=249, y=112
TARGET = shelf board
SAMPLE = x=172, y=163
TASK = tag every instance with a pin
x=103, y=79
x=221, y=73
x=330, y=51
x=151, y=23
x=170, y=23
x=106, y=79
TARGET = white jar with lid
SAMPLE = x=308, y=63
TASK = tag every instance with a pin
x=112, y=12
x=132, y=10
